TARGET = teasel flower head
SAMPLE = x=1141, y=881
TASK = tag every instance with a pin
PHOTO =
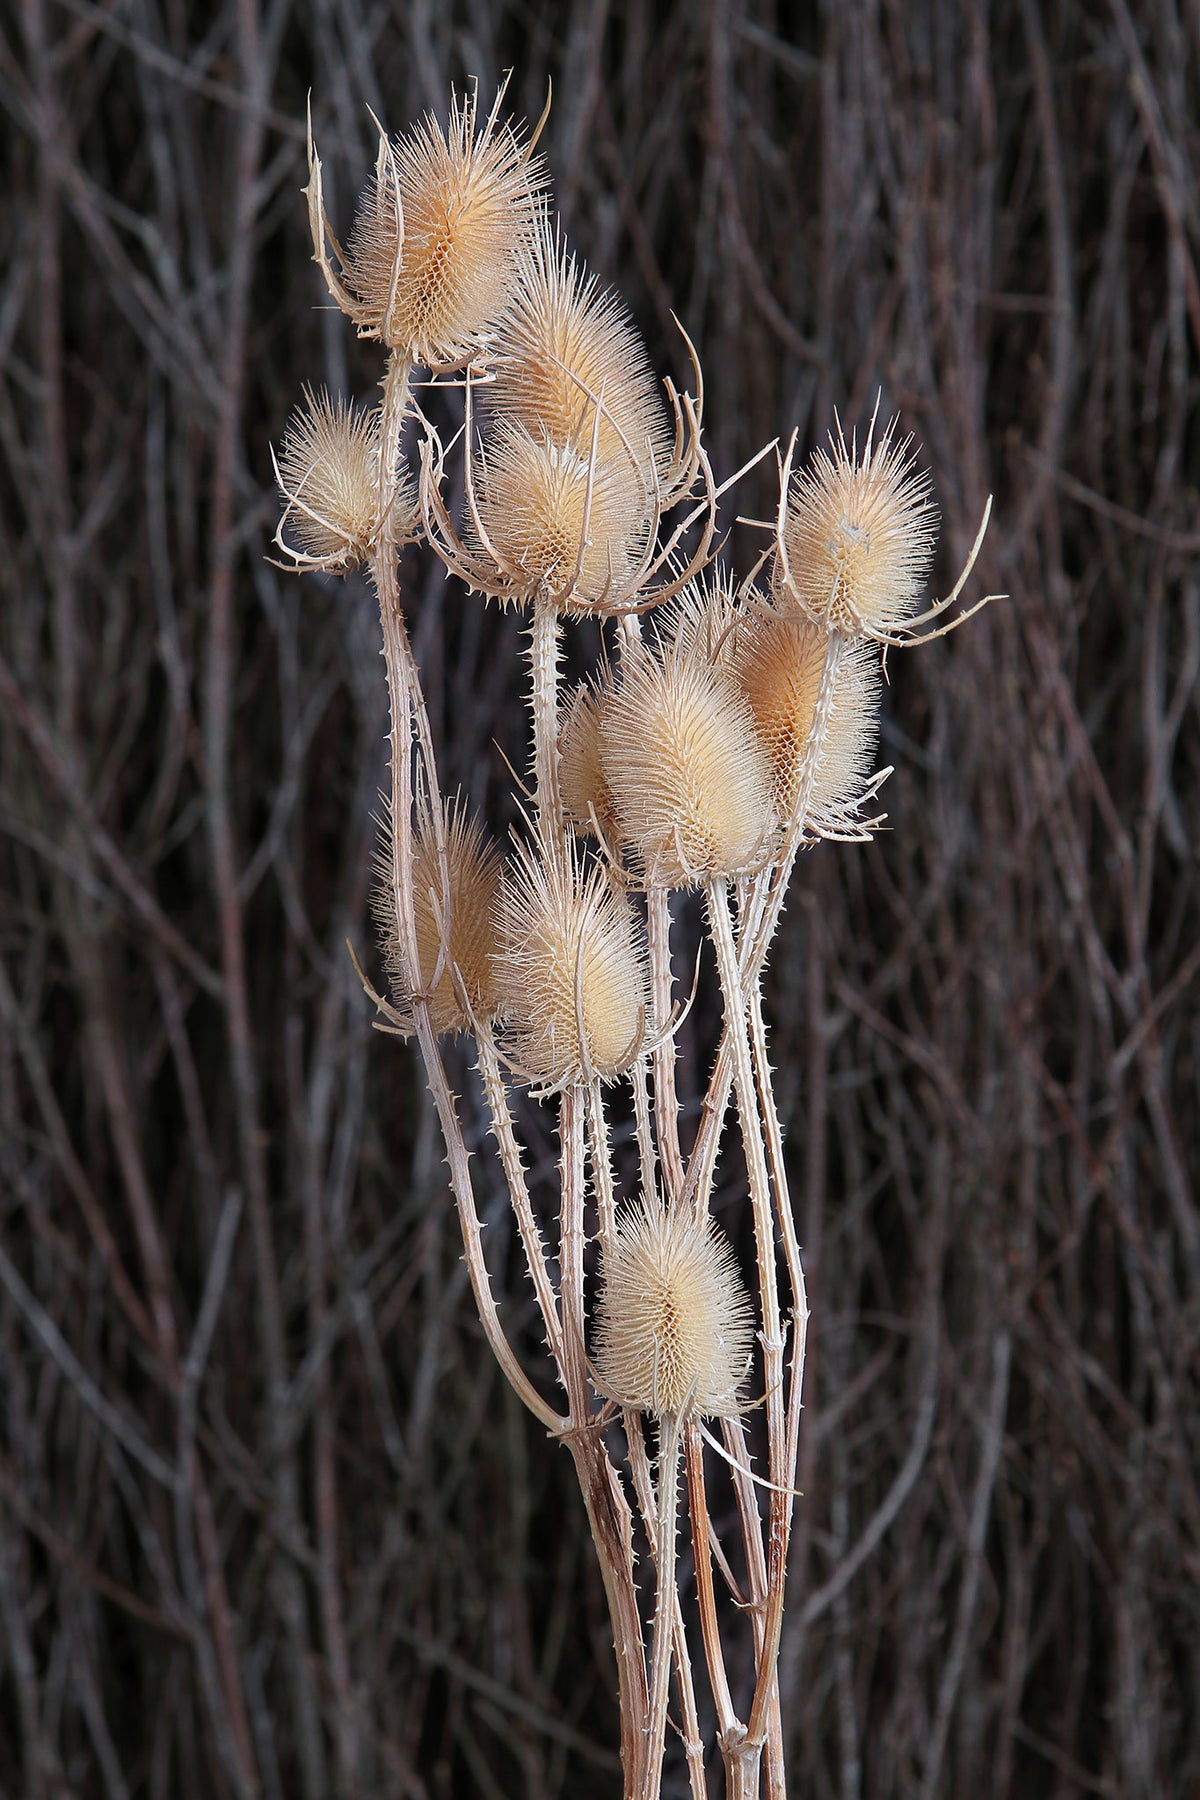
x=572, y=969
x=453, y=908
x=778, y=660
x=548, y=515
x=430, y=263
x=571, y=487
x=587, y=800
x=690, y=784
x=571, y=365
x=702, y=622
x=856, y=537
x=328, y=474
x=674, y=1322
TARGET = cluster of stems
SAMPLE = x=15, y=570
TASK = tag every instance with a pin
x=731, y=726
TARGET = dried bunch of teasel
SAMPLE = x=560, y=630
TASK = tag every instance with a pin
x=730, y=726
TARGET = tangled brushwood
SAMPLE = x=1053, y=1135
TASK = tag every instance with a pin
x=730, y=727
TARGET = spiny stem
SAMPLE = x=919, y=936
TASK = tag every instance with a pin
x=666, y=1100
x=514, y=1172
x=544, y=700
x=665, y=1601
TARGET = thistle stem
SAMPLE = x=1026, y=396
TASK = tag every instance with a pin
x=666, y=1600
x=544, y=702
x=772, y=1338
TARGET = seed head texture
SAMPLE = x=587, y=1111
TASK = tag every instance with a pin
x=691, y=787
x=551, y=519
x=329, y=477
x=675, y=1325
x=779, y=660
x=473, y=870
x=859, y=536
x=572, y=969
x=432, y=253
x=567, y=344
x=581, y=773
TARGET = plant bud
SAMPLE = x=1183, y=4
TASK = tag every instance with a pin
x=859, y=537
x=779, y=661
x=572, y=969
x=691, y=786
x=674, y=1322
x=458, y=914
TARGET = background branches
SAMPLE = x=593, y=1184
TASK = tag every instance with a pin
x=270, y=1521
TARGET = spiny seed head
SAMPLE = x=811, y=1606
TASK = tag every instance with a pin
x=674, y=1322
x=859, y=536
x=552, y=520
x=432, y=255
x=571, y=967
x=581, y=772
x=456, y=911
x=702, y=621
x=778, y=660
x=691, y=786
x=567, y=345
x=328, y=468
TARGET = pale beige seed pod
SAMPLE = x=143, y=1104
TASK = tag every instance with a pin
x=858, y=536
x=675, y=1326
x=567, y=345
x=587, y=799
x=550, y=516
x=691, y=785
x=430, y=264
x=571, y=967
x=778, y=661
x=456, y=911
x=328, y=474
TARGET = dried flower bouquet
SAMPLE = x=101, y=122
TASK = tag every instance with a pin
x=731, y=726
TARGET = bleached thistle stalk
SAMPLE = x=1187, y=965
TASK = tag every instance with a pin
x=673, y=1340
x=733, y=732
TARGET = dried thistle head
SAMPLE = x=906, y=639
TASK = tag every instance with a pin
x=571, y=364
x=453, y=907
x=571, y=967
x=858, y=536
x=550, y=516
x=674, y=1322
x=585, y=792
x=703, y=620
x=778, y=661
x=328, y=474
x=690, y=784
x=430, y=263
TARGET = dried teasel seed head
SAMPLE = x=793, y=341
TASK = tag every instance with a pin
x=778, y=661
x=690, y=783
x=455, y=908
x=430, y=263
x=581, y=773
x=859, y=536
x=572, y=969
x=567, y=345
x=703, y=619
x=674, y=1322
x=328, y=471
x=548, y=518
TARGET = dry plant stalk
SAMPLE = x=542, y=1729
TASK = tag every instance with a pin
x=704, y=756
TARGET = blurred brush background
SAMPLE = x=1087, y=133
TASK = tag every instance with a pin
x=270, y=1521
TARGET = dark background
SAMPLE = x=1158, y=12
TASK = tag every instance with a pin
x=270, y=1522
